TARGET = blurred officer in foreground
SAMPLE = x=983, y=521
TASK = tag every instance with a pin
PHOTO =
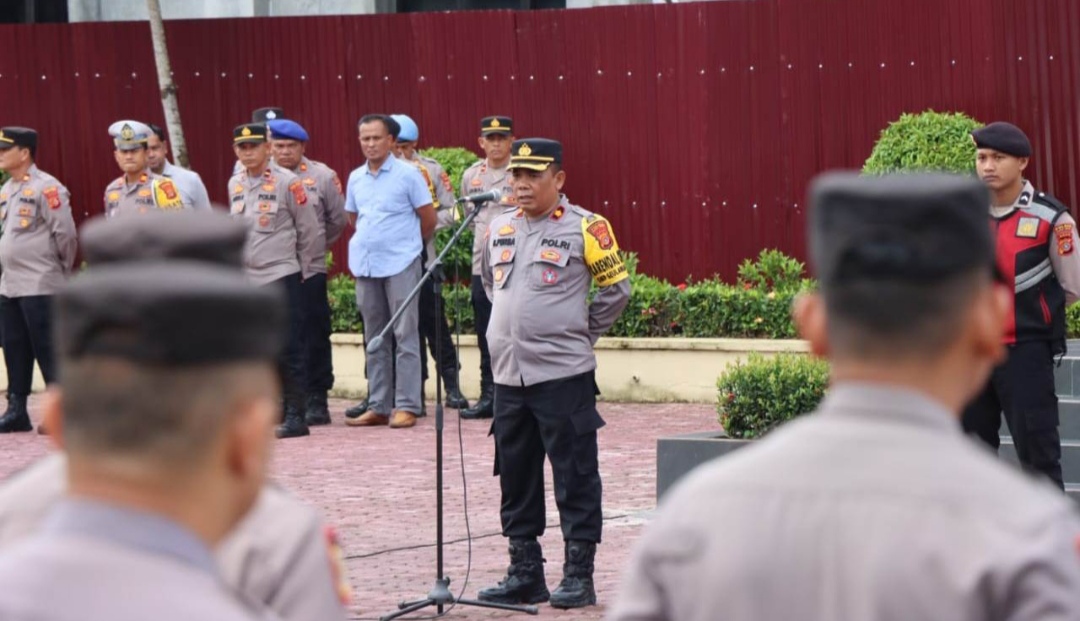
x=169, y=397
x=327, y=200
x=281, y=554
x=1036, y=249
x=37, y=251
x=188, y=182
x=538, y=263
x=138, y=190
x=876, y=507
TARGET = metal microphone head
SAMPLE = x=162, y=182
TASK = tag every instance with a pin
x=496, y=195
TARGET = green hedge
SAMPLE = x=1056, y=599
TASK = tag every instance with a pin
x=458, y=262
x=755, y=396
x=927, y=141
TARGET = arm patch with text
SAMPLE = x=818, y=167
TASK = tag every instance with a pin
x=602, y=252
x=298, y=193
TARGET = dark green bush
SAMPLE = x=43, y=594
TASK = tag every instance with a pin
x=755, y=396
x=344, y=317
x=1072, y=321
x=458, y=262
x=937, y=141
x=772, y=270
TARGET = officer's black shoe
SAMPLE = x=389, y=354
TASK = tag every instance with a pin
x=485, y=407
x=294, y=425
x=524, y=581
x=318, y=412
x=16, y=418
x=576, y=589
x=454, y=398
x=357, y=410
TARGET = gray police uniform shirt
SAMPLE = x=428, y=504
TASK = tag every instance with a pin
x=327, y=200
x=193, y=193
x=37, y=248
x=284, y=231
x=92, y=560
x=280, y=555
x=537, y=275
x=442, y=198
x=874, y=508
x=480, y=178
x=150, y=191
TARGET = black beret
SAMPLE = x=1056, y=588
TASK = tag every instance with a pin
x=262, y=115
x=172, y=313
x=904, y=227
x=18, y=137
x=197, y=235
x=1003, y=137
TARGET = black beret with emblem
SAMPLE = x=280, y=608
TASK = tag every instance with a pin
x=1004, y=137
x=496, y=125
x=249, y=132
x=169, y=313
x=207, y=236
x=18, y=137
x=262, y=115
x=535, y=153
x=905, y=227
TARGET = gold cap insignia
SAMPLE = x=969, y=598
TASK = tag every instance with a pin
x=524, y=150
x=495, y=123
x=1, y=134
x=246, y=131
x=126, y=132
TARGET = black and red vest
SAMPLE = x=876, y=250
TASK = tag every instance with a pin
x=1025, y=239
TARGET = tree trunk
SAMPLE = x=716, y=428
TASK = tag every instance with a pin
x=165, y=83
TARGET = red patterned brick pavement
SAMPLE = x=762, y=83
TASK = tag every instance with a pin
x=377, y=486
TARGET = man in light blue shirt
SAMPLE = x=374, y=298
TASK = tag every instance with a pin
x=192, y=189
x=389, y=204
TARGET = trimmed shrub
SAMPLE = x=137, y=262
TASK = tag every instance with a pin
x=1072, y=322
x=932, y=141
x=756, y=396
x=458, y=262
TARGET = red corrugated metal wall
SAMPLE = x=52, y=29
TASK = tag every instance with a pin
x=694, y=127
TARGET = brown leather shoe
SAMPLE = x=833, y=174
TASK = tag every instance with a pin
x=368, y=419
x=402, y=420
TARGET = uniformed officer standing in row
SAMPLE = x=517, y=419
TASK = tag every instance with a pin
x=445, y=203
x=490, y=173
x=138, y=190
x=37, y=252
x=168, y=396
x=192, y=190
x=327, y=200
x=282, y=242
x=1036, y=249
x=537, y=264
x=281, y=554
x=876, y=507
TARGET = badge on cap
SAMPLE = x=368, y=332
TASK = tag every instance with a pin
x=524, y=150
x=127, y=133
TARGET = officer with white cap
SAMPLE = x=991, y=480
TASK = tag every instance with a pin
x=138, y=190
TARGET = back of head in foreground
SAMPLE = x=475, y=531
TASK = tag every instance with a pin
x=875, y=507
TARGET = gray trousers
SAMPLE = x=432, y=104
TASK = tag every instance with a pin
x=378, y=299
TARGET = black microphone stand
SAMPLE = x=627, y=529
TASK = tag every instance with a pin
x=439, y=595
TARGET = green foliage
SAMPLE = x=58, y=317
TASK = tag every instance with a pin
x=3, y=177
x=755, y=396
x=344, y=317
x=773, y=270
x=712, y=309
x=457, y=304
x=652, y=307
x=927, y=141
x=1072, y=321
x=458, y=262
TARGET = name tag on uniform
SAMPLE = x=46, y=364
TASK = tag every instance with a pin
x=1028, y=227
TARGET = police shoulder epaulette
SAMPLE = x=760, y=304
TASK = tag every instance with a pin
x=116, y=183
x=1049, y=201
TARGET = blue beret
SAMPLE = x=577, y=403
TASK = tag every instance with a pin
x=1003, y=137
x=285, y=129
x=410, y=132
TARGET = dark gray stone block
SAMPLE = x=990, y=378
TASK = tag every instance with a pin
x=678, y=455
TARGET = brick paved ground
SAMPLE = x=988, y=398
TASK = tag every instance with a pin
x=378, y=487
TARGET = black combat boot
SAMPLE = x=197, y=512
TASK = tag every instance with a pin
x=15, y=418
x=454, y=398
x=485, y=407
x=576, y=589
x=358, y=410
x=294, y=425
x=524, y=581
x=318, y=412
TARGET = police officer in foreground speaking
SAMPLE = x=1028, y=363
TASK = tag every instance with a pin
x=281, y=554
x=445, y=203
x=282, y=241
x=138, y=190
x=490, y=173
x=537, y=264
x=168, y=396
x=1036, y=250
x=875, y=507
x=37, y=251
x=327, y=198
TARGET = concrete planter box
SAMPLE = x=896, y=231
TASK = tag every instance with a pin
x=678, y=455
x=647, y=370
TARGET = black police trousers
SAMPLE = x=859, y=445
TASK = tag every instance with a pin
x=320, y=367
x=431, y=321
x=293, y=360
x=482, y=313
x=556, y=419
x=27, y=336
x=1023, y=388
